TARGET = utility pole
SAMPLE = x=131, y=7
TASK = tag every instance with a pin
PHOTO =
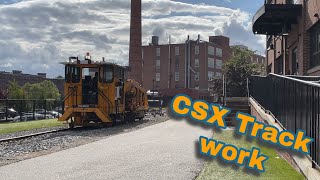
x=153, y=90
x=169, y=64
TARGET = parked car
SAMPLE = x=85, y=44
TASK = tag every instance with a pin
x=54, y=114
x=2, y=115
x=29, y=116
x=40, y=111
x=11, y=112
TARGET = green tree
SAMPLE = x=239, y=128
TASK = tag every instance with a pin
x=236, y=71
x=15, y=91
x=43, y=90
x=50, y=90
x=40, y=91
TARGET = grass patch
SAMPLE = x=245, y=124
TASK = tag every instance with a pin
x=275, y=167
x=6, y=128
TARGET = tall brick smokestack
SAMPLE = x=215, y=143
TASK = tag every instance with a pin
x=135, y=49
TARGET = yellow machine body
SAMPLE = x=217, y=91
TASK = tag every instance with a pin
x=96, y=92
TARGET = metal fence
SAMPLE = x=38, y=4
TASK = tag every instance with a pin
x=295, y=104
x=306, y=78
x=26, y=110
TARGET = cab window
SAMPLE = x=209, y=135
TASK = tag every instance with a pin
x=68, y=74
x=106, y=74
x=75, y=74
x=72, y=74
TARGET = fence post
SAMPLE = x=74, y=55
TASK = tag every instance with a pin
x=7, y=101
x=45, y=109
x=20, y=110
x=34, y=109
x=248, y=93
x=225, y=91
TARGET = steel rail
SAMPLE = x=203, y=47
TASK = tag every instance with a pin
x=31, y=135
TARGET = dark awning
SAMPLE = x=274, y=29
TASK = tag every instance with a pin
x=272, y=18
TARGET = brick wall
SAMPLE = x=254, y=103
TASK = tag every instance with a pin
x=298, y=37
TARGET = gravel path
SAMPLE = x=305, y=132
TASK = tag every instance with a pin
x=15, y=151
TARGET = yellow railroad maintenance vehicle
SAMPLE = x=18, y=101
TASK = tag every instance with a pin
x=97, y=92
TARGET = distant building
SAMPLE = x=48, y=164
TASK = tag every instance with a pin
x=21, y=79
x=255, y=58
x=188, y=67
x=185, y=67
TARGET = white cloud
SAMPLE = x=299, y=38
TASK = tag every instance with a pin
x=37, y=34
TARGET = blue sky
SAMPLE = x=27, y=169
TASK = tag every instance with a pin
x=6, y=2
x=38, y=34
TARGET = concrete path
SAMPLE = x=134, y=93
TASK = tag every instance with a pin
x=162, y=151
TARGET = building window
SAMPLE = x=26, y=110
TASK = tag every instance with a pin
x=219, y=52
x=176, y=76
x=158, y=64
x=251, y=59
x=157, y=76
x=196, y=76
x=262, y=60
x=177, y=63
x=315, y=46
x=210, y=62
x=211, y=50
x=196, y=50
x=257, y=60
x=218, y=64
x=218, y=74
x=210, y=75
x=158, y=52
x=142, y=53
x=196, y=63
x=176, y=50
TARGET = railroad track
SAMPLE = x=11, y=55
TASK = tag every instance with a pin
x=31, y=135
x=54, y=131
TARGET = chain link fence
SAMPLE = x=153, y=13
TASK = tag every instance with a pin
x=12, y=110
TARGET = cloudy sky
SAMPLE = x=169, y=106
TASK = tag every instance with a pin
x=35, y=35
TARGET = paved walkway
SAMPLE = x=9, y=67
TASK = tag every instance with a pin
x=162, y=151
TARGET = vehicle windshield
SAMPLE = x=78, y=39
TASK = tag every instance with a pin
x=106, y=74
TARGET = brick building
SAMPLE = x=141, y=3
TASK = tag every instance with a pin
x=255, y=58
x=293, y=35
x=21, y=79
x=189, y=65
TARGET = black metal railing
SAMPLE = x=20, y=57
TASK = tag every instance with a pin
x=30, y=109
x=306, y=78
x=295, y=104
